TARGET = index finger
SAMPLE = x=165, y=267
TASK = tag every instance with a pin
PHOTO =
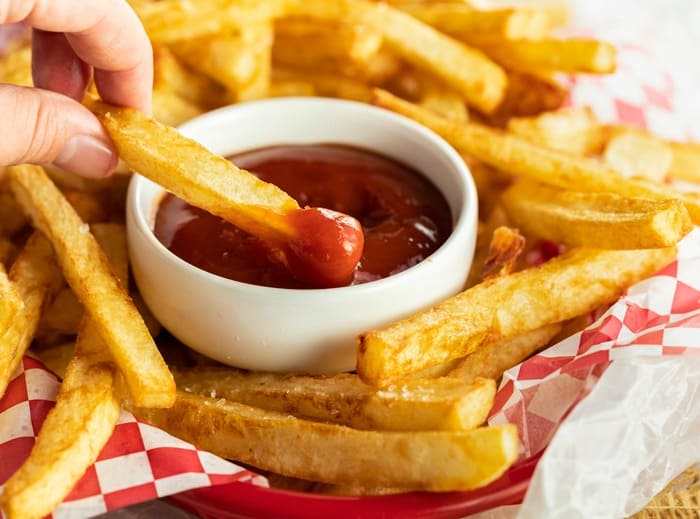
x=106, y=34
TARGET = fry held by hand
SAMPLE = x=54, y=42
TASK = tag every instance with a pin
x=320, y=246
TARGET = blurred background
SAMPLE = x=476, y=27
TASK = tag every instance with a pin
x=669, y=28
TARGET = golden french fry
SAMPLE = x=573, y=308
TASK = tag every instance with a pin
x=90, y=208
x=174, y=79
x=87, y=271
x=35, y=276
x=11, y=305
x=170, y=109
x=465, y=22
x=573, y=130
x=16, y=67
x=497, y=218
x=564, y=287
x=635, y=154
x=12, y=219
x=111, y=237
x=57, y=357
x=70, y=439
x=569, y=55
x=331, y=85
x=414, y=405
x=8, y=251
x=63, y=315
x=433, y=460
x=530, y=94
x=521, y=157
x=86, y=411
x=493, y=359
x=686, y=162
x=443, y=101
x=259, y=86
x=171, y=21
x=596, y=220
x=299, y=43
x=467, y=71
x=193, y=173
x=291, y=87
x=230, y=58
x=506, y=246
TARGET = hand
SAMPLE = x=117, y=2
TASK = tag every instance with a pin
x=72, y=40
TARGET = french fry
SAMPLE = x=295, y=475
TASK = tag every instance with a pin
x=497, y=218
x=467, y=71
x=174, y=79
x=686, y=161
x=16, y=67
x=528, y=95
x=171, y=109
x=506, y=246
x=573, y=130
x=35, y=276
x=569, y=55
x=70, y=439
x=231, y=58
x=90, y=208
x=520, y=157
x=86, y=411
x=291, y=88
x=415, y=405
x=8, y=251
x=443, y=101
x=635, y=154
x=302, y=44
x=193, y=173
x=170, y=21
x=87, y=271
x=259, y=86
x=63, y=315
x=434, y=460
x=12, y=219
x=564, y=287
x=596, y=220
x=465, y=22
x=493, y=360
x=57, y=357
x=11, y=305
x=331, y=85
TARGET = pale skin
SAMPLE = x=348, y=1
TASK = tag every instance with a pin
x=73, y=41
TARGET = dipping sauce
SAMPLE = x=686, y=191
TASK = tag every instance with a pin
x=404, y=217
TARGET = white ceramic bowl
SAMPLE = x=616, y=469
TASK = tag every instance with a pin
x=315, y=331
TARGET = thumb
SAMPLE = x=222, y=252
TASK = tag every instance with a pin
x=43, y=127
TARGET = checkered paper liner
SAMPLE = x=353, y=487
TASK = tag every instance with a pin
x=657, y=317
x=139, y=463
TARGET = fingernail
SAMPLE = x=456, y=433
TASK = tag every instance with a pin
x=87, y=156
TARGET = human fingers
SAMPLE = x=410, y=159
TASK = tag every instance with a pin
x=55, y=66
x=44, y=127
x=103, y=33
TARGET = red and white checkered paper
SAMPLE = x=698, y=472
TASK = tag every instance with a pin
x=139, y=463
x=659, y=317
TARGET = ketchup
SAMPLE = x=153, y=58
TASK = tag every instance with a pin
x=404, y=217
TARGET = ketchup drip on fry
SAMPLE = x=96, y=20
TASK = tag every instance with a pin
x=404, y=218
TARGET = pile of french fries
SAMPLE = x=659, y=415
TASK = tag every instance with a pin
x=411, y=417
